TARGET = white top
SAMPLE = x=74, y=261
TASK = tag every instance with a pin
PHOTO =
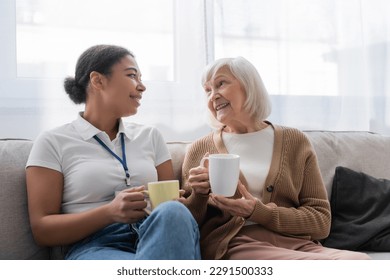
x=91, y=173
x=255, y=151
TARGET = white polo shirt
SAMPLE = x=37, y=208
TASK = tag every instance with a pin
x=91, y=173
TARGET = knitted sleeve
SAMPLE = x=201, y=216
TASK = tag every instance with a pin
x=196, y=203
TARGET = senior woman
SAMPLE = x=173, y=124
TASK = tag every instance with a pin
x=280, y=209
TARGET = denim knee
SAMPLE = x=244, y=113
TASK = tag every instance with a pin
x=174, y=211
x=156, y=234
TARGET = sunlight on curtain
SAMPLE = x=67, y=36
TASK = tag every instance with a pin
x=326, y=63
x=49, y=41
x=50, y=36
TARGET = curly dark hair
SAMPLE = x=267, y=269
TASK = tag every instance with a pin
x=99, y=58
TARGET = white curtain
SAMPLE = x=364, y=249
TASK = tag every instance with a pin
x=42, y=39
x=324, y=62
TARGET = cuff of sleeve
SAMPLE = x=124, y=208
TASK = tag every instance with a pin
x=197, y=204
x=197, y=198
x=262, y=214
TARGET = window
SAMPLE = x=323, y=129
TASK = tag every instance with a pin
x=48, y=37
x=48, y=41
x=324, y=62
x=289, y=42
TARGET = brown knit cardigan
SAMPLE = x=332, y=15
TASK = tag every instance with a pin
x=294, y=199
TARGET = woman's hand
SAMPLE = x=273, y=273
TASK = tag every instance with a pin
x=128, y=205
x=198, y=180
x=241, y=207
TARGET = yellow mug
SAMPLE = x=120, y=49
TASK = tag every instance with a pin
x=162, y=191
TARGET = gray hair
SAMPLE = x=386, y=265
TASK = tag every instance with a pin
x=258, y=103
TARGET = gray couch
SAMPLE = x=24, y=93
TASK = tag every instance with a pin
x=360, y=151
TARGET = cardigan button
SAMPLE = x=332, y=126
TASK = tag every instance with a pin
x=270, y=188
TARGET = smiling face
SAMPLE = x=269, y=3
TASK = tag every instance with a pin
x=226, y=99
x=123, y=88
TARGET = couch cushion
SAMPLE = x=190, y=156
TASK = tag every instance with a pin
x=16, y=241
x=177, y=151
x=360, y=212
x=360, y=151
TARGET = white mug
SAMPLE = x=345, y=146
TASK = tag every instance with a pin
x=224, y=170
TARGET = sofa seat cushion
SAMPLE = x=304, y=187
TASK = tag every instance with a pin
x=16, y=240
x=360, y=212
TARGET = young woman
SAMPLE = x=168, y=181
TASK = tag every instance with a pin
x=74, y=171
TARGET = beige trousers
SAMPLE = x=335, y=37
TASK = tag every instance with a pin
x=256, y=243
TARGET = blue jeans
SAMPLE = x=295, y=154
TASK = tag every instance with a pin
x=169, y=233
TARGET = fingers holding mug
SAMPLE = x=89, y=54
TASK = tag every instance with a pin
x=198, y=180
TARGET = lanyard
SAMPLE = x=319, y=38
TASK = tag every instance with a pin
x=122, y=161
